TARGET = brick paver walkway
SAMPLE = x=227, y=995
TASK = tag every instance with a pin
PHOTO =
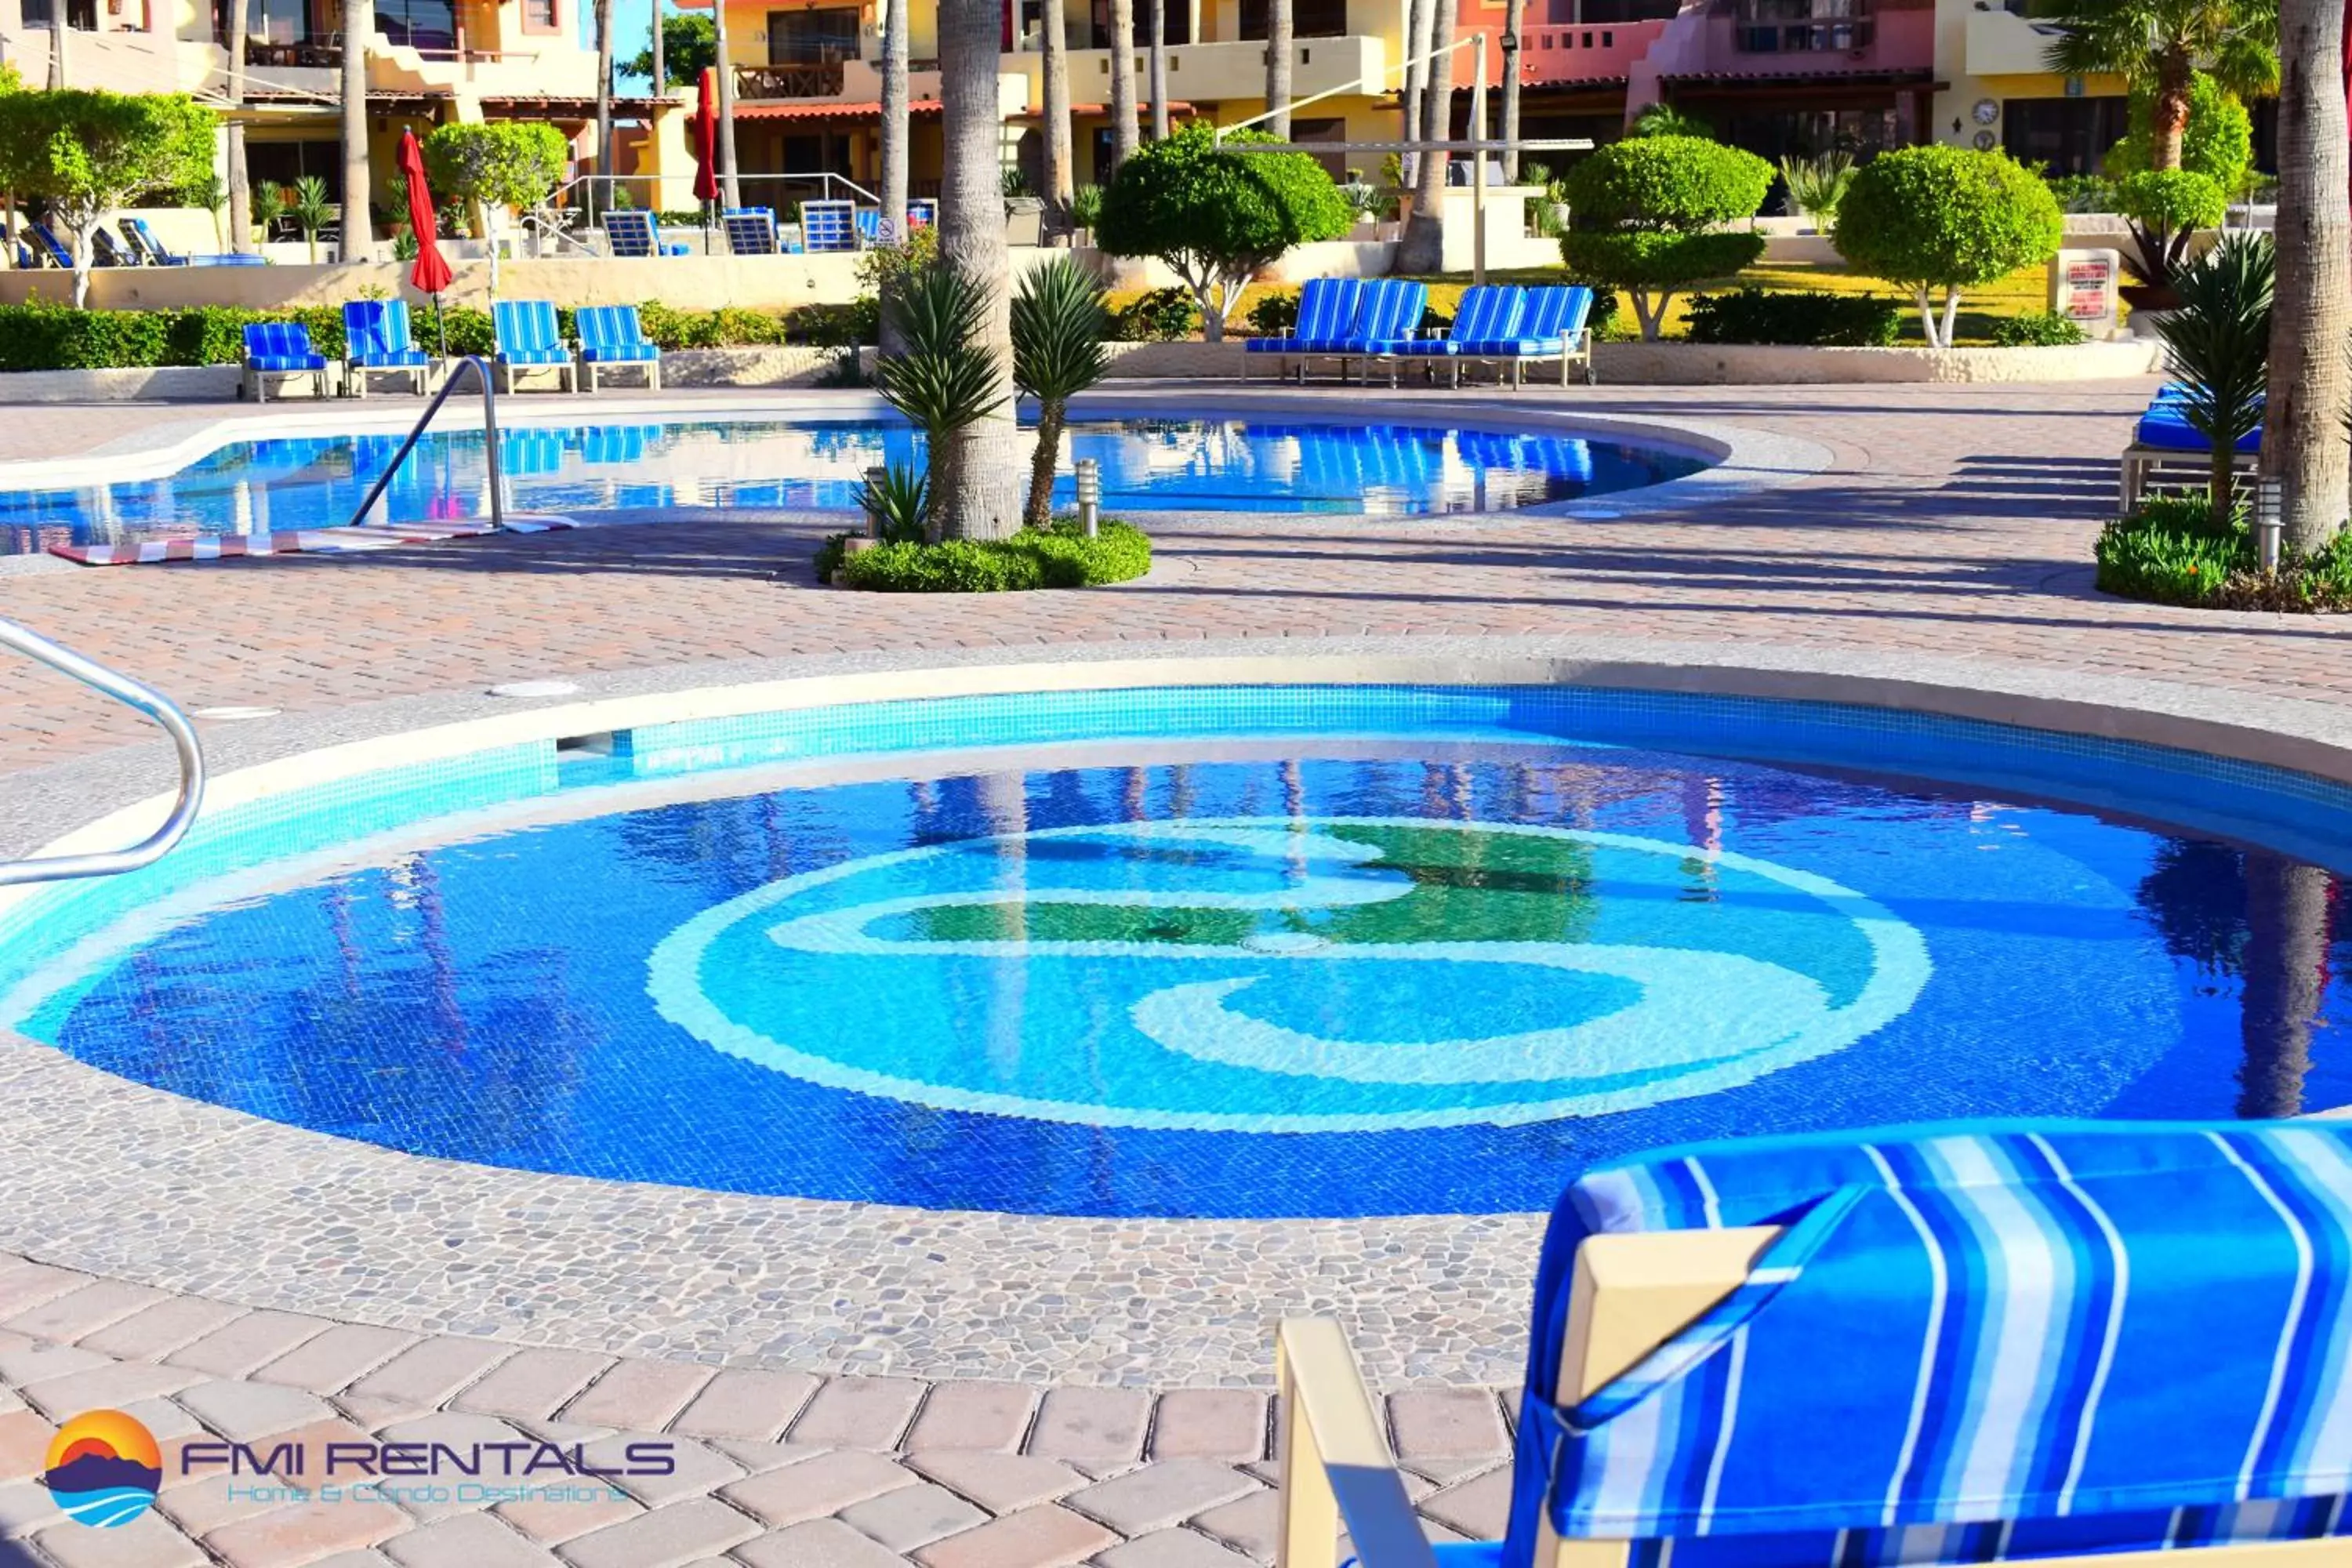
x=1955, y=523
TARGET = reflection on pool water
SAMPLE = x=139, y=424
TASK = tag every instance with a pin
x=1257, y=951
x=1147, y=465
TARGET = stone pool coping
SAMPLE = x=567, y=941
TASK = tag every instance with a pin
x=128, y=1183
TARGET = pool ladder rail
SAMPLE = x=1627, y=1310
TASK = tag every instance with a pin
x=154, y=705
x=481, y=370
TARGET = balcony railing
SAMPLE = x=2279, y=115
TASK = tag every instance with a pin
x=823, y=79
x=308, y=55
x=1803, y=27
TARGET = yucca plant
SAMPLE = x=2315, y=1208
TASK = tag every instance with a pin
x=945, y=380
x=2218, y=345
x=268, y=200
x=893, y=502
x=1816, y=185
x=1059, y=322
x=210, y=192
x=310, y=210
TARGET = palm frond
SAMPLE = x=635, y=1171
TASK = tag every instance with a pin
x=945, y=380
x=1059, y=322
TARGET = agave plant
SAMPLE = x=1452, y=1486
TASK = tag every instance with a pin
x=945, y=380
x=1059, y=322
x=2218, y=345
x=893, y=501
x=268, y=206
x=310, y=210
x=1816, y=185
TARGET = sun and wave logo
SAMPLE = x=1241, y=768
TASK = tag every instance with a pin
x=1315, y=974
x=103, y=1468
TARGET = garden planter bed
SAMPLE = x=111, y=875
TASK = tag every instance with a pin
x=1762, y=364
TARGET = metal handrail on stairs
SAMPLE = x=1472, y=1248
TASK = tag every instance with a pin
x=489, y=430
x=155, y=706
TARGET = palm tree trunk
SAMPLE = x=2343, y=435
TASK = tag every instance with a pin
x=2168, y=115
x=1515, y=16
x=358, y=223
x=1420, y=18
x=1279, y=30
x=57, y=30
x=895, y=130
x=1048, y=457
x=1155, y=16
x=2303, y=442
x=600, y=194
x=2286, y=977
x=1122, y=87
x=1422, y=249
x=731, y=190
x=661, y=65
x=980, y=482
x=240, y=183
x=1061, y=180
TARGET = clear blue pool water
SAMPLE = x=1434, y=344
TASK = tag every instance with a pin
x=1147, y=465
x=1230, y=952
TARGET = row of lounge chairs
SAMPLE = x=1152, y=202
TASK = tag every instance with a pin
x=380, y=341
x=2166, y=441
x=136, y=245
x=1375, y=325
x=824, y=226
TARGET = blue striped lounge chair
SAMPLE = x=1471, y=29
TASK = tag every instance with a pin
x=1488, y=312
x=1552, y=326
x=107, y=251
x=828, y=227
x=610, y=336
x=529, y=338
x=142, y=233
x=1327, y=307
x=1387, y=316
x=2073, y=1344
x=2164, y=441
x=282, y=349
x=631, y=235
x=52, y=249
x=751, y=231
x=377, y=339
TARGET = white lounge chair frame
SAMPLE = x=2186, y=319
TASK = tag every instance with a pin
x=2142, y=464
x=423, y=377
x=1630, y=1295
x=253, y=386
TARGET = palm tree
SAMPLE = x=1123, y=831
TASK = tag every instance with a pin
x=2159, y=46
x=1061, y=178
x=2285, y=970
x=976, y=480
x=943, y=381
x=240, y=179
x=1422, y=249
x=1420, y=18
x=894, y=49
x=2303, y=443
x=1122, y=87
x=1156, y=19
x=657, y=68
x=1515, y=16
x=2217, y=344
x=1059, y=327
x=358, y=222
x=731, y=190
x=1279, y=28
x=601, y=193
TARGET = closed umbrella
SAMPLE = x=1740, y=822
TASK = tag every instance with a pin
x=705, y=127
x=431, y=274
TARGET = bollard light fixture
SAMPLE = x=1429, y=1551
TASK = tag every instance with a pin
x=1090, y=495
x=2268, y=524
x=876, y=478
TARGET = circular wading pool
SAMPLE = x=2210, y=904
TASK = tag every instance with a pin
x=1228, y=952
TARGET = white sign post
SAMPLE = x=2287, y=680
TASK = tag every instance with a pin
x=2083, y=289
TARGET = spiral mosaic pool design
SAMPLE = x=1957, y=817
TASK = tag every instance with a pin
x=1231, y=951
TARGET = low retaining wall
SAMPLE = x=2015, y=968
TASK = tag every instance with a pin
x=1765, y=365
x=163, y=384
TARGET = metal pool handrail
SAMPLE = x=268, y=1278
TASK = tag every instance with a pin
x=489, y=429
x=147, y=700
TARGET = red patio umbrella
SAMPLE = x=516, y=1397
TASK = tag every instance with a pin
x=705, y=130
x=431, y=274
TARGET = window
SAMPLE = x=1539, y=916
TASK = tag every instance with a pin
x=811, y=38
x=420, y=24
x=1597, y=11
x=1308, y=18
x=39, y=13
x=2070, y=134
x=539, y=16
x=1178, y=23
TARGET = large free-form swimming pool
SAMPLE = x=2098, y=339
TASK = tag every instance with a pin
x=1224, y=951
x=1147, y=465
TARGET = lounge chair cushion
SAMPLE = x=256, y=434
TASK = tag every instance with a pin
x=2108, y=1334
x=280, y=346
x=1386, y=319
x=526, y=333
x=2163, y=425
x=1326, y=308
x=611, y=334
x=377, y=336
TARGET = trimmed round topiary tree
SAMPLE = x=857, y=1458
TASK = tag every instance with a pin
x=1215, y=215
x=1944, y=218
x=2165, y=208
x=1644, y=217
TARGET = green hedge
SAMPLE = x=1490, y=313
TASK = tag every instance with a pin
x=45, y=336
x=1816, y=320
x=2169, y=552
x=1058, y=557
